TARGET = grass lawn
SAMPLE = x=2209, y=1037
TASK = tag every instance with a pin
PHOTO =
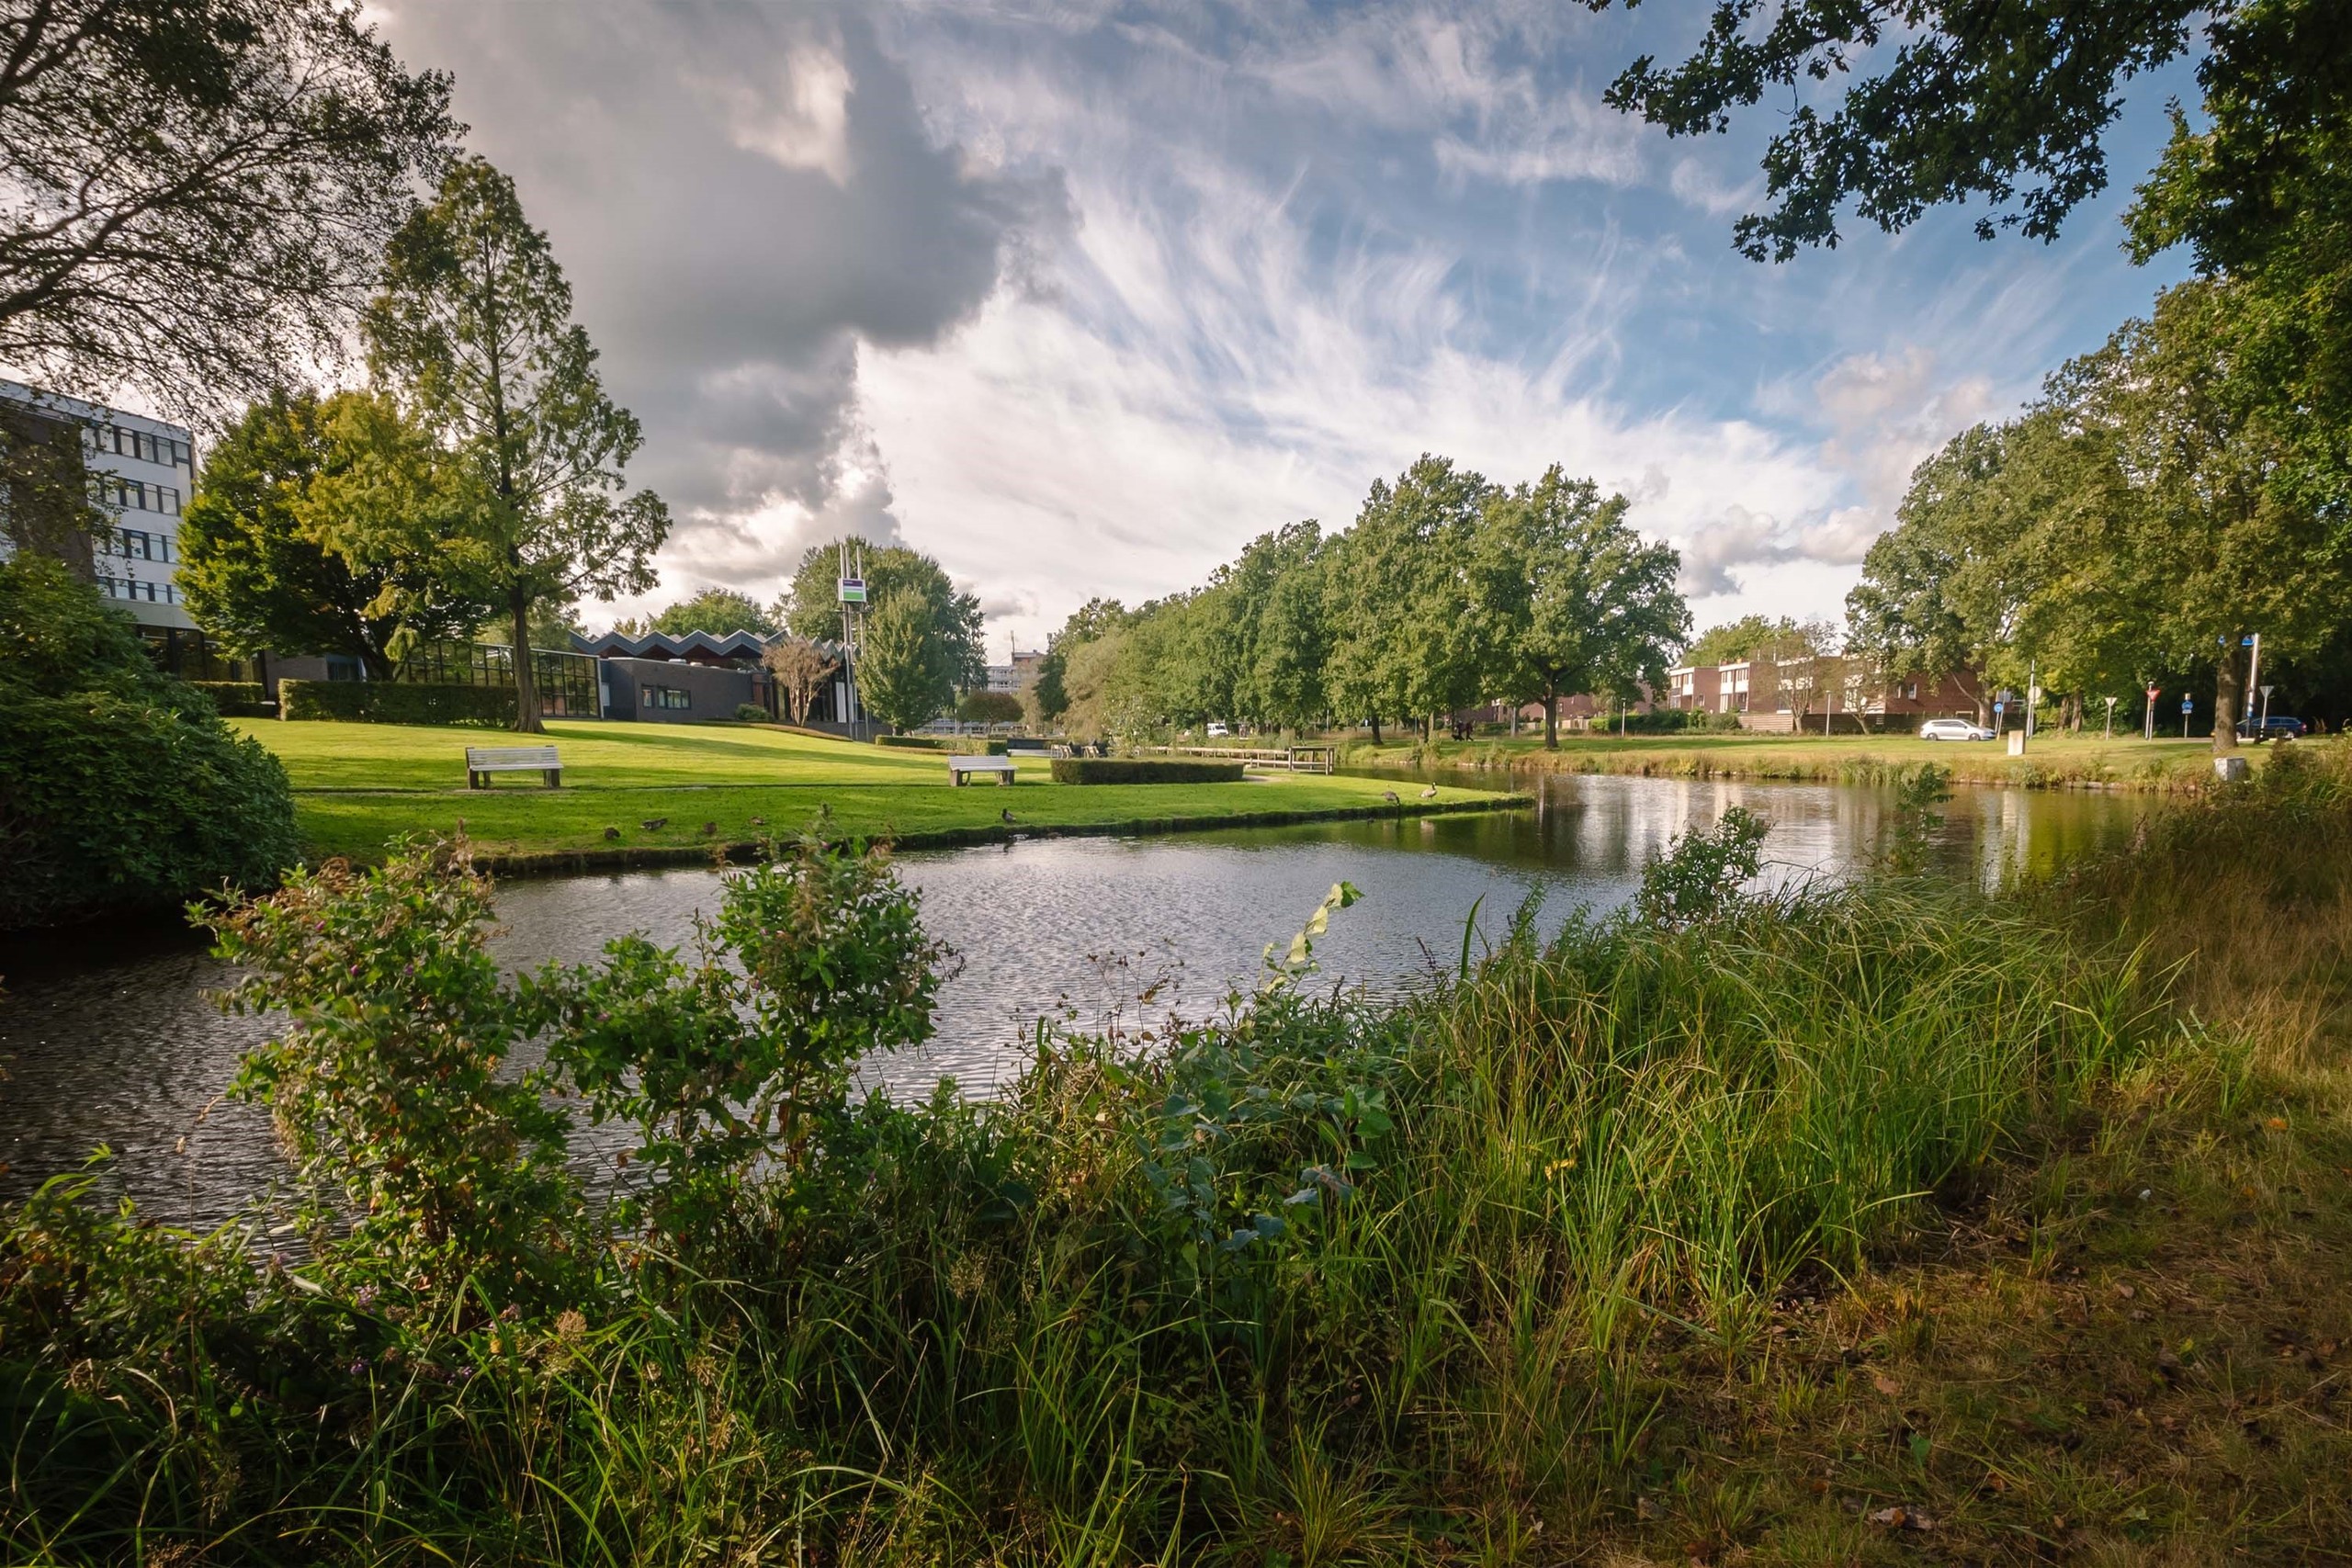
x=358, y=785
x=2054, y=761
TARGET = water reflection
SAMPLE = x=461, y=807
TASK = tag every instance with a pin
x=108, y=1038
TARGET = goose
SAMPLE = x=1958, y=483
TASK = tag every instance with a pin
x=1390, y=796
x=1007, y=816
x=612, y=833
x=1430, y=794
x=651, y=823
x=710, y=829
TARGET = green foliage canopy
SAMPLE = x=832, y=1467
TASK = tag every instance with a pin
x=718, y=610
x=472, y=334
x=811, y=606
x=906, y=667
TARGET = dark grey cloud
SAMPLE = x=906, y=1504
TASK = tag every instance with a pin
x=741, y=195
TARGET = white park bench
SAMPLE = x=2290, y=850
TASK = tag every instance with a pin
x=962, y=768
x=483, y=760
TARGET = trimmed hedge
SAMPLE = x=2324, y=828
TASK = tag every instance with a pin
x=1133, y=770
x=956, y=746
x=235, y=699
x=752, y=713
x=396, y=702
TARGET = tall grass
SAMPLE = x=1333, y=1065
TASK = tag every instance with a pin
x=1312, y=1280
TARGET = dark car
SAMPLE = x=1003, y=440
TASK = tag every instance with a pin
x=2278, y=727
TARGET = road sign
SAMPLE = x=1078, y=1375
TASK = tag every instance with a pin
x=852, y=590
x=2188, y=705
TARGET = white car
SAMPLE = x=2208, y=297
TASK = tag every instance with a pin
x=1953, y=729
x=1217, y=732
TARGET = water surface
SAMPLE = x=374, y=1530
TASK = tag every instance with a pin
x=109, y=1036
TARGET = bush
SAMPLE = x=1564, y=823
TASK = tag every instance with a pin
x=1133, y=770
x=121, y=789
x=989, y=708
x=396, y=702
x=752, y=713
x=235, y=699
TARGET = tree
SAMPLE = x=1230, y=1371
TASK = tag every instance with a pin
x=811, y=606
x=260, y=567
x=2005, y=103
x=905, y=665
x=718, y=610
x=1736, y=640
x=1570, y=597
x=989, y=708
x=1293, y=638
x=473, y=332
x=1090, y=621
x=45, y=503
x=1405, y=639
x=800, y=667
x=198, y=192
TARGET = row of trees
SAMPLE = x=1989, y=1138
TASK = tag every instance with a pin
x=2161, y=504
x=1448, y=591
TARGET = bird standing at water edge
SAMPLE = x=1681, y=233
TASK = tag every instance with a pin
x=1430, y=794
x=1008, y=817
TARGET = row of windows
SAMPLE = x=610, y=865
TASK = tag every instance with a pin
x=165, y=449
x=139, y=589
x=135, y=495
x=136, y=544
x=666, y=697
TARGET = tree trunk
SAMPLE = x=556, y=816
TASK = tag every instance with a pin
x=1551, y=718
x=2226, y=688
x=526, y=690
x=1375, y=729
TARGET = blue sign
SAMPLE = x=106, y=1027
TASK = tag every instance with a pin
x=2000, y=708
x=2188, y=705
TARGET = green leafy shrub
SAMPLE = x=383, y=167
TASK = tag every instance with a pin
x=120, y=789
x=751, y=712
x=1700, y=876
x=817, y=960
x=396, y=702
x=1138, y=770
x=234, y=699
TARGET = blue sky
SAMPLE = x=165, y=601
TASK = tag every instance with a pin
x=1080, y=298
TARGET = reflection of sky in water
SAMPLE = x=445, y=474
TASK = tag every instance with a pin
x=119, y=1046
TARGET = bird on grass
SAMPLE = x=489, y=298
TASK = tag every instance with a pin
x=651, y=823
x=759, y=821
x=611, y=833
x=1430, y=794
x=710, y=829
x=1390, y=796
x=1007, y=816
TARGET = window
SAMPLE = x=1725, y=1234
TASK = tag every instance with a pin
x=666, y=697
x=167, y=500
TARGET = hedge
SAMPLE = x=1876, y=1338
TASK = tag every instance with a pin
x=1131, y=769
x=396, y=702
x=957, y=746
x=235, y=699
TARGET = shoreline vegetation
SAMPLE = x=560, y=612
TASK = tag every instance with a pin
x=1834, y=1225
x=718, y=791
x=2056, y=761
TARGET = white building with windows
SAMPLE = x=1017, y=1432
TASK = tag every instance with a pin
x=141, y=471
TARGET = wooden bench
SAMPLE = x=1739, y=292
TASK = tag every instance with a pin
x=483, y=760
x=962, y=768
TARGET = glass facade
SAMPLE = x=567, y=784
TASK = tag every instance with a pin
x=566, y=681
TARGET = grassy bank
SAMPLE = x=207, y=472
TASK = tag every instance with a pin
x=716, y=786
x=2055, y=761
x=1878, y=1224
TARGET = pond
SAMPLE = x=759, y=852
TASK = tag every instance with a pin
x=109, y=1038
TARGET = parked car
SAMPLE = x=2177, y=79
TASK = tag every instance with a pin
x=1953, y=729
x=1216, y=732
x=2278, y=727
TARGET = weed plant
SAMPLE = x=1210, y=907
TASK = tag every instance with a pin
x=1495, y=1273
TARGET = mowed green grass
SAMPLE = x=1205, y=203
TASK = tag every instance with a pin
x=2052, y=759
x=360, y=785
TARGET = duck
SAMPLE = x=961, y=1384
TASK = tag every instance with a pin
x=611, y=833
x=651, y=823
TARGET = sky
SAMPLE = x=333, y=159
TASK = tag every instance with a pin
x=1080, y=297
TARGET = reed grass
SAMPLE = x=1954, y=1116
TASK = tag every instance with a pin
x=1705, y=1242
